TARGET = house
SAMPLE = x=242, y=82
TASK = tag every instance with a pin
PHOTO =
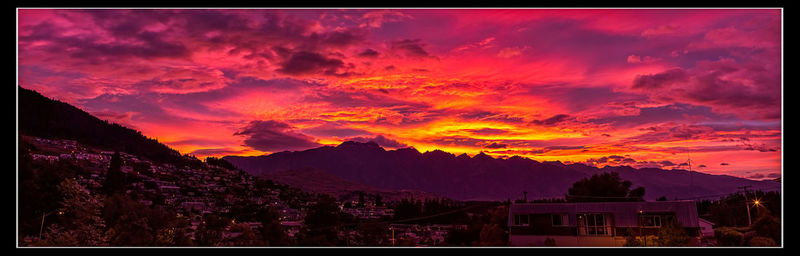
x=706, y=228
x=596, y=224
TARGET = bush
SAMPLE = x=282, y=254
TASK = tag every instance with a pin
x=549, y=242
x=729, y=237
x=761, y=241
x=630, y=239
x=767, y=226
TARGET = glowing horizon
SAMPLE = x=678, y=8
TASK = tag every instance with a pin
x=595, y=86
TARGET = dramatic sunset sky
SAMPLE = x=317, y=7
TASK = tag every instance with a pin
x=601, y=87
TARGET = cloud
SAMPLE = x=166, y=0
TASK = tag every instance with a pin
x=666, y=78
x=636, y=59
x=486, y=131
x=496, y=145
x=411, y=48
x=380, y=140
x=369, y=53
x=376, y=19
x=756, y=176
x=551, y=121
x=215, y=152
x=275, y=136
x=724, y=164
x=750, y=89
x=309, y=63
x=509, y=52
x=334, y=130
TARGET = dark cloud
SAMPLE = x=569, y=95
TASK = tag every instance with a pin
x=490, y=116
x=496, y=145
x=749, y=88
x=369, y=53
x=390, y=67
x=215, y=151
x=724, y=164
x=667, y=163
x=411, y=48
x=774, y=175
x=91, y=49
x=564, y=147
x=380, y=140
x=274, y=136
x=486, y=131
x=330, y=130
x=660, y=114
x=660, y=80
x=309, y=63
x=756, y=176
x=552, y=120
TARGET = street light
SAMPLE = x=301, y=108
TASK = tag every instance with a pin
x=45, y=215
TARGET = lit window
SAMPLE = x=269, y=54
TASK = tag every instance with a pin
x=594, y=224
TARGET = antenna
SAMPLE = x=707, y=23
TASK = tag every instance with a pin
x=689, y=162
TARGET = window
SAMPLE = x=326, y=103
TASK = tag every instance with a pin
x=650, y=220
x=521, y=220
x=594, y=224
x=560, y=219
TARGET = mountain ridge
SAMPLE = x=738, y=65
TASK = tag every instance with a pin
x=481, y=176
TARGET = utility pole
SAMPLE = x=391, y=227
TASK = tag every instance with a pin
x=746, y=205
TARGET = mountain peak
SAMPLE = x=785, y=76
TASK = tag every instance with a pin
x=360, y=145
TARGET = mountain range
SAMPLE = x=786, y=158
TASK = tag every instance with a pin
x=369, y=167
x=482, y=177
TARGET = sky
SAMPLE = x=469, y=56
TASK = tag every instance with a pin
x=636, y=87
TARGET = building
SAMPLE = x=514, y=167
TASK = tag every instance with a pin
x=596, y=224
x=706, y=228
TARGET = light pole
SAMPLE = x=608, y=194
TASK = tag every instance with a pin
x=42, y=226
x=747, y=206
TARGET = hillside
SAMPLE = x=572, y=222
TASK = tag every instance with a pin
x=480, y=177
x=46, y=118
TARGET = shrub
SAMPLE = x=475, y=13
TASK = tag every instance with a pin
x=761, y=241
x=767, y=226
x=549, y=242
x=729, y=237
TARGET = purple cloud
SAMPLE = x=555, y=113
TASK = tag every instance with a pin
x=275, y=136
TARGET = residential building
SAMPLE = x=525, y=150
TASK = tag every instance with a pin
x=597, y=223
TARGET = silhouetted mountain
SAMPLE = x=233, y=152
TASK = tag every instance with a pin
x=318, y=181
x=46, y=118
x=480, y=177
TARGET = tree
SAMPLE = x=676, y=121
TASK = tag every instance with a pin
x=605, y=187
x=272, y=233
x=81, y=223
x=767, y=226
x=373, y=233
x=114, y=176
x=321, y=222
x=672, y=234
x=493, y=235
x=209, y=233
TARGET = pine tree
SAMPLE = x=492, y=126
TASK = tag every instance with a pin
x=114, y=176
